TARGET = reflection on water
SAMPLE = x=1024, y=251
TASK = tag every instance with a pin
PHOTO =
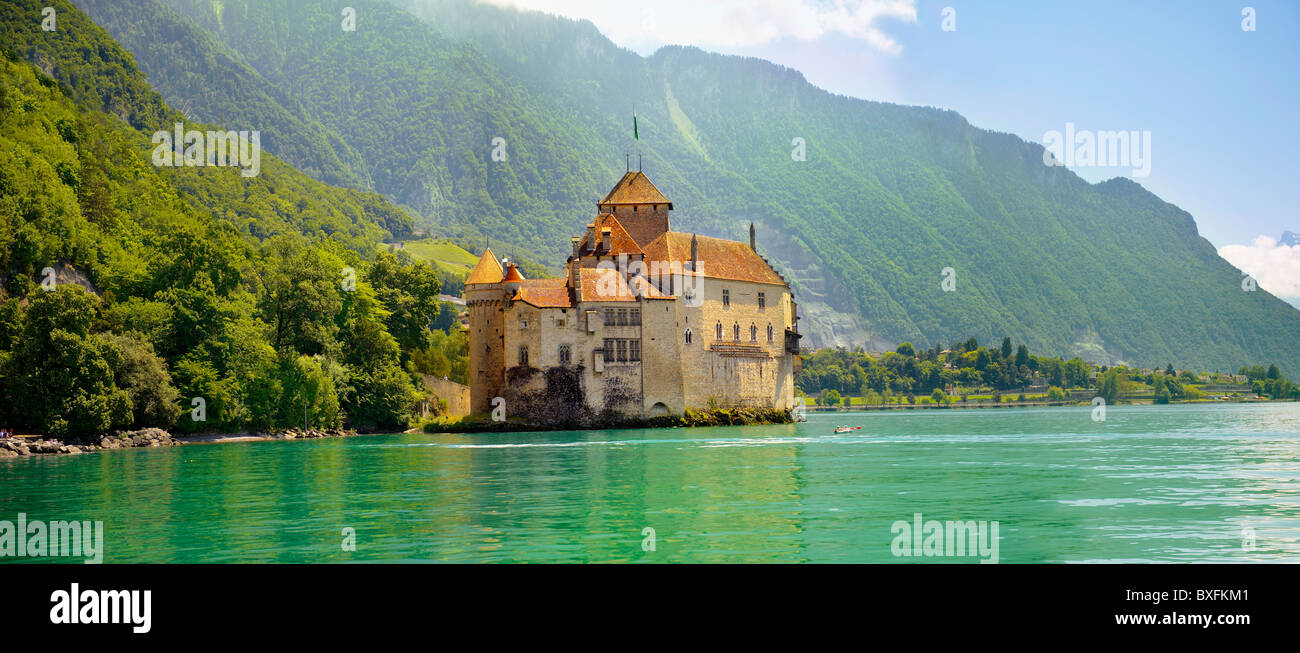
x=1168, y=483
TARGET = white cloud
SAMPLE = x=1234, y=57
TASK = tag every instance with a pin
x=1276, y=267
x=727, y=24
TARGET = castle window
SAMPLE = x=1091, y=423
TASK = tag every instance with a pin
x=523, y=356
x=762, y=301
x=609, y=317
x=770, y=334
x=753, y=332
x=622, y=350
x=634, y=350
x=735, y=332
x=726, y=297
x=609, y=350
x=717, y=332
x=688, y=336
x=622, y=317
x=523, y=324
x=565, y=355
x=636, y=317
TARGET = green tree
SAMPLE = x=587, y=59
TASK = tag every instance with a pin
x=62, y=372
x=1162, y=392
x=1022, y=356
x=409, y=292
x=1108, y=385
x=303, y=287
x=144, y=377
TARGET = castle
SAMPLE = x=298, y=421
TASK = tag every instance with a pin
x=646, y=321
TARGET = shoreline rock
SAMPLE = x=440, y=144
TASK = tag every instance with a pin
x=150, y=437
x=307, y=434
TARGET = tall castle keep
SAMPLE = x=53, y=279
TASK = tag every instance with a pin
x=645, y=321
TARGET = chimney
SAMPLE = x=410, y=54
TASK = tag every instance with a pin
x=751, y=237
x=575, y=279
x=695, y=252
x=576, y=243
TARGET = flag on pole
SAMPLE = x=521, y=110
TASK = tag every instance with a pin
x=635, y=134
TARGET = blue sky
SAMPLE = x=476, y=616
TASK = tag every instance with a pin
x=1220, y=102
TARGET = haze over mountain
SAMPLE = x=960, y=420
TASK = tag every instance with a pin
x=888, y=197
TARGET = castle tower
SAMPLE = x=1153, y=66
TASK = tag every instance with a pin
x=484, y=298
x=638, y=206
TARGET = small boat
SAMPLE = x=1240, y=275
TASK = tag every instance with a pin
x=846, y=429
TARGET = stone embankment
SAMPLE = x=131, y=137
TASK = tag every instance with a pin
x=11, y=447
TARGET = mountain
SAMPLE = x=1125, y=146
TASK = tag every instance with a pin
x=182, y=285
x=888, y=198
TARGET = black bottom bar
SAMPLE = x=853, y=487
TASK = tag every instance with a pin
x=941, y=604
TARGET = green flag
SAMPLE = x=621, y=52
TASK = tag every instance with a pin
x=635, y=134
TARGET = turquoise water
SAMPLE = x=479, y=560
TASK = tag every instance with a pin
x=1150, y=483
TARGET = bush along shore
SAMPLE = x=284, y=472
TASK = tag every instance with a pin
x=691, y=418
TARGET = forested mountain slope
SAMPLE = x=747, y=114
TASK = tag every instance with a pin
x=887, y=198
x=178, y=284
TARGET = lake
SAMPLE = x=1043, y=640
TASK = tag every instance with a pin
x=1183, y=483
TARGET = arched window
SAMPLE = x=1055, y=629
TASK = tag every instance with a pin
x=770, y=333
x=718, y=332
x=688, y=336
x=753, y=332
x=735, y=332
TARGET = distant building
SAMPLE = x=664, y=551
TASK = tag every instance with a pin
x=645, y=321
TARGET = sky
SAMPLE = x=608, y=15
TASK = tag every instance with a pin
x=1213, y=85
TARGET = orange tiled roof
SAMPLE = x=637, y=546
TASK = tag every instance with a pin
x=512, y=273
x=634, y=188
x=488, y=270
x=544, y=293
x=719, y=259
x=620, y=241
x=609, y=285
